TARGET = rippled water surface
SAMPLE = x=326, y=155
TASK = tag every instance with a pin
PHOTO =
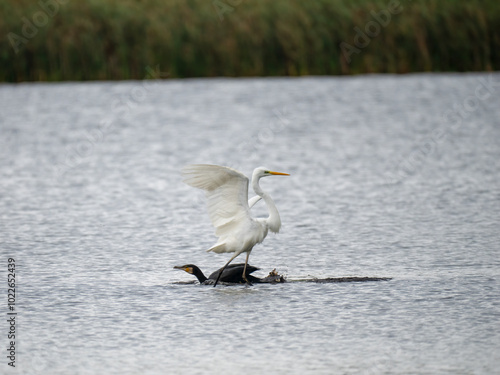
x=391, y=176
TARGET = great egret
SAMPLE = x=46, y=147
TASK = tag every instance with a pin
x=229, y=208
x=232, y=274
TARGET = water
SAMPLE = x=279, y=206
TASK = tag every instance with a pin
x=391, y=176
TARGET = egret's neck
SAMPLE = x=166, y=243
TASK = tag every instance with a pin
x=274, y=220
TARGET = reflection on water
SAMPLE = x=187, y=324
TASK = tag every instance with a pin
x=392, y=176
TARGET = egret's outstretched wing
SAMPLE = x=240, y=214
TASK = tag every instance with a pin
x=227, y=194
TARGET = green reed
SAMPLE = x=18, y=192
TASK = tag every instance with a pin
x=119, y=39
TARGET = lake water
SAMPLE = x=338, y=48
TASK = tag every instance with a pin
x=391, y=176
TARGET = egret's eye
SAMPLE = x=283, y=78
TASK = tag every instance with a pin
x=266, y=172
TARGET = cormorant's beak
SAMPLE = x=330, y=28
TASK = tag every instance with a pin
x=184, y=268
x=279, y=173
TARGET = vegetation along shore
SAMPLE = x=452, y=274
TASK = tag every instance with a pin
x=54, y=40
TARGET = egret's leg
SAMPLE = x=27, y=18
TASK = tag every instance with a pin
x=223, y=268
x=245, y=270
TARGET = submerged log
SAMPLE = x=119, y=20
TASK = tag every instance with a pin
x=348, y=279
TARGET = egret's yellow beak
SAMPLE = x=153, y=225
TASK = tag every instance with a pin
x=279, y=173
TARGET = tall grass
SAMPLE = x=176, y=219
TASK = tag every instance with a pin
x=118, y=39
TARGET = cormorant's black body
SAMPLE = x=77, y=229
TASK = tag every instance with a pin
x=232, y=274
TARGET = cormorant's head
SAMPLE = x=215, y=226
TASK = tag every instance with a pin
x=189, y=268
x=193, y=270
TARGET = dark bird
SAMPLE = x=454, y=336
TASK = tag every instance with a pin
x=233, y=273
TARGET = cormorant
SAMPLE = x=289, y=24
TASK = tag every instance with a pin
x=232, y=274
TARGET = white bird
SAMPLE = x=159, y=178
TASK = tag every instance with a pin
x=229, y=207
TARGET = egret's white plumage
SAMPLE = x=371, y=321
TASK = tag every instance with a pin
x=229, y=207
